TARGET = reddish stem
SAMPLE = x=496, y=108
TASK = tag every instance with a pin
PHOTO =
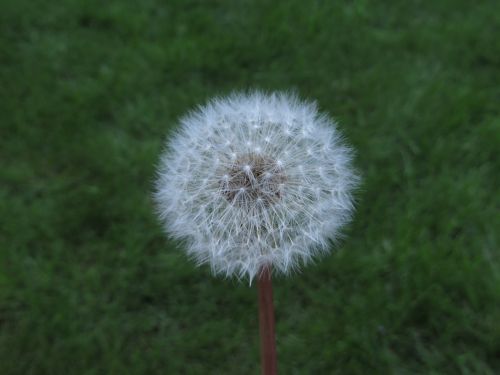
x=266, y=319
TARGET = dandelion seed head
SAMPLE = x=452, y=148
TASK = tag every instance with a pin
x=255, y=179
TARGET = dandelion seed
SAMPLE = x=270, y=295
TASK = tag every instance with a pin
x=246, y=191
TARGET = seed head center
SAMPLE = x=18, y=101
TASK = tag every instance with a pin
x=253, y=179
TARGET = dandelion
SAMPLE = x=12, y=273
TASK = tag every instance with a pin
x=255, y=180
x=253, y=184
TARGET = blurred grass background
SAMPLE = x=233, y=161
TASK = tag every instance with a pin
x=88, y=91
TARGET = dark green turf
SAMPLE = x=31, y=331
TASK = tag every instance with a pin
x=90, y=285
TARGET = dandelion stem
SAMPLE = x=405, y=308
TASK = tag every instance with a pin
x=266, y=319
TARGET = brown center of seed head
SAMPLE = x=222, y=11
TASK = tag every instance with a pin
x=253, y=179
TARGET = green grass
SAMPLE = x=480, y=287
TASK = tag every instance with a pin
x=88, y=91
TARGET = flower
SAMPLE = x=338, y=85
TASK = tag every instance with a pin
x=254, y=180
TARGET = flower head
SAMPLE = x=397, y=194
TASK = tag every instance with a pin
x=253, y=180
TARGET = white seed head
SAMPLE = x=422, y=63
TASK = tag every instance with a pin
x=255, y=179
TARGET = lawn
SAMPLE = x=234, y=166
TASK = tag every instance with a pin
x=89, y=283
